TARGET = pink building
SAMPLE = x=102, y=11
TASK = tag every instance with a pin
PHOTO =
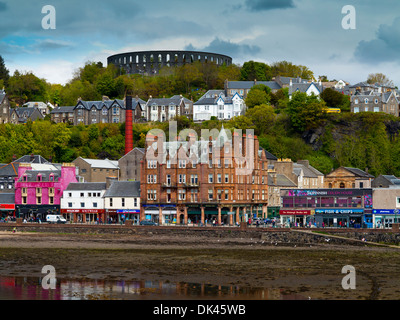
x=38, y=192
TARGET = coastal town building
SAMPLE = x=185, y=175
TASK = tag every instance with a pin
x=4, y=107
x=210, y=185
x=165, y=109
x=39, y=192
x=215, y=104
x=346, y=177
x=20, y=115
x=63, y=114
x=83, y=202
x=129, y=165
x=96, y=170
x=122, y=202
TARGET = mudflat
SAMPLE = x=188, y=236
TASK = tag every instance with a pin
x=313, y=271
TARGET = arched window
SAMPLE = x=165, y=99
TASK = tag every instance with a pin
x=342, y=185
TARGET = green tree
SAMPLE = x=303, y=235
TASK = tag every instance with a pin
x=263, y=118
x=305, y=112
x=256, y=97
x=252, y=70
x=4, y=73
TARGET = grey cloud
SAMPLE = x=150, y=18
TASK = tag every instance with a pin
x=229, y=48
x=262, y=5
x=384, y=48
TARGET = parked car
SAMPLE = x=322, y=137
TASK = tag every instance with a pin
x=147, y=223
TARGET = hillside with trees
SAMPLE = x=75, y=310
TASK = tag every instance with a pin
x=298, y=128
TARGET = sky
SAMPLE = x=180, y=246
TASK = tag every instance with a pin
x=304, y=32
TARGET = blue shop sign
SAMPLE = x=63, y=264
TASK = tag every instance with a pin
x=339, y=211
x=385, y=211
x=128, y=211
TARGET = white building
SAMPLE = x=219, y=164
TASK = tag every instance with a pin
x=215, y=104
x=122, y=201
x=84, y=202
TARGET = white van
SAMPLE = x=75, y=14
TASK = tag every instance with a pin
x=55, y=218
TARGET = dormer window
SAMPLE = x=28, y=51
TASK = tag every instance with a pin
x=24, y=178
x=366, y=100
x=51, y=177
x=39, y=177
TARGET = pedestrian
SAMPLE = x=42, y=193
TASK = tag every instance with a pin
x=14, y=230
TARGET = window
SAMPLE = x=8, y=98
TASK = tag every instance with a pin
x=111, y=202
x=39, y=200
x=69, y=204
x=38, y=190
x=39, y=177
x=226, y=194
x=135, y=202
x=51, y=200
x=168, y=164
x=123, y=202
x=182, y=178
x=226, y=178
x=182, y=163
x=181, y=194
x=82, y=195
x=361, y=185
x=23, y=200
x=69, y=194
x=82, y=204
x=193, y=179
x=210, y=194
x=168, y=179
x=219, y=178
x=210, y=178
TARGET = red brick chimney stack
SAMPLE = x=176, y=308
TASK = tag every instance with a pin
x=128, y=125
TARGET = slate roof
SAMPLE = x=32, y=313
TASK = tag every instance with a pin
x=281, y=181
x=100, y=104
x=392, y=179
x=7, y=198
x=123, y=189
x=104, y=164
x=32, y=175
x=309, y=171
x=63, y=109
x=303, y=87
x=273, y=85
x=269, y=155
x=359, y=173
x=87, y=186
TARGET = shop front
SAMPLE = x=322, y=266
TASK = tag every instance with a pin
x=384, y=218
x=7, y=211
x=35, y=213
x=295, y=218
x=84, y=215
x=128, y=214
x=337, y=218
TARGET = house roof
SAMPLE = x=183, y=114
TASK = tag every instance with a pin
x=100, y=104
x=303, y=87
x=281, y=181
x=7, y=198
x=63, y=109
x=273, y=85
x=32, y=175
x=142, y=150
x=269, y=155
x=87, y=186
x=359, y=173
x=123, y=189
x=105, y=164
x=392, y=179
x=309, y=171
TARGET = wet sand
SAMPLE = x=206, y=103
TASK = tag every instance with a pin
x=312, y=271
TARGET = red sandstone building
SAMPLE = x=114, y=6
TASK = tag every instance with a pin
x=203, y=187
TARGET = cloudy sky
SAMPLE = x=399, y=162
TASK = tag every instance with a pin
x=307, y=32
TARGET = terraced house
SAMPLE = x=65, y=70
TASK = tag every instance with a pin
x=218, y=181
x=165, y=109
x=105, y=111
